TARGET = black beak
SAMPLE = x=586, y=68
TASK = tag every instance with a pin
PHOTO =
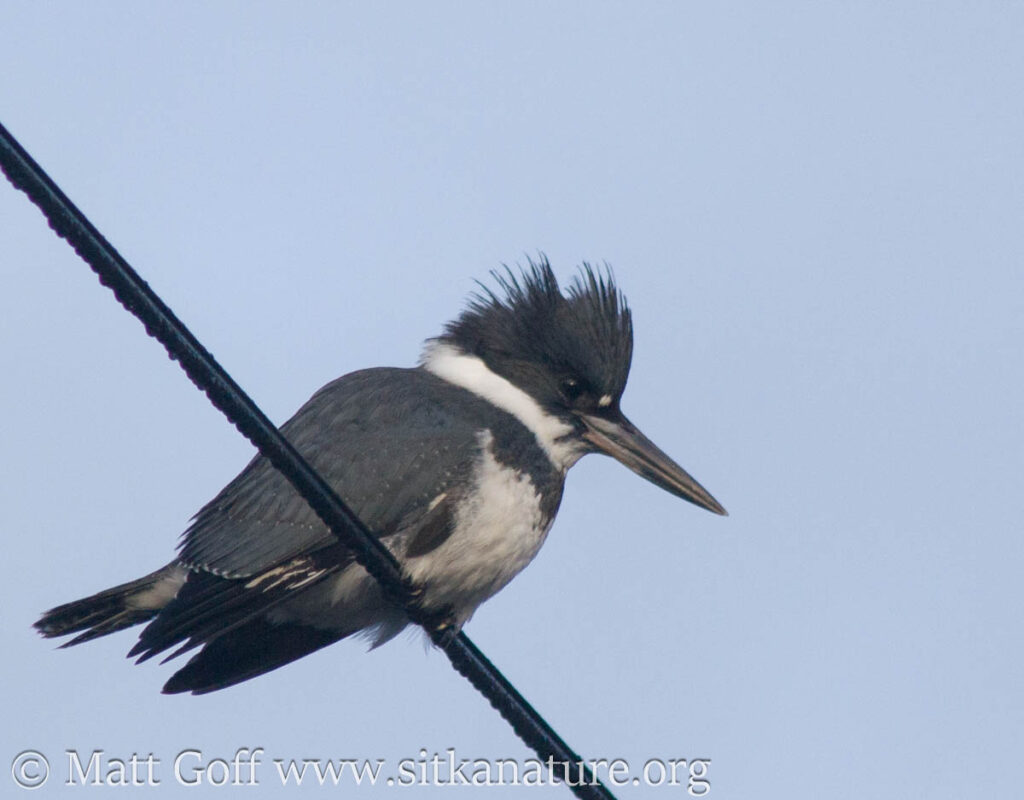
x=620, y=439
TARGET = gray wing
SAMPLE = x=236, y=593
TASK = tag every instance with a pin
x=383, y=439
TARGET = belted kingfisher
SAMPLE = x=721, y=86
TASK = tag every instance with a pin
x=457, y=465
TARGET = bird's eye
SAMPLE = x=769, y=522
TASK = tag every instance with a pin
x=571, y=388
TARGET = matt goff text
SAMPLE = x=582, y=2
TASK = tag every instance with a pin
x=251, y=767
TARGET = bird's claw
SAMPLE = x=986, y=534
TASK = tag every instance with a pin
x=445, y=631
x=441, y=625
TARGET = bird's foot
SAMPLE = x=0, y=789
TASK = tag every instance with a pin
x=441, y=625
x=445, y=631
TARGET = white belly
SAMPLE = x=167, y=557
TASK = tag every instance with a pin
x=498, y=529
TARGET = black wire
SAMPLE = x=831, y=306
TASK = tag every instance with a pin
x=160, y=322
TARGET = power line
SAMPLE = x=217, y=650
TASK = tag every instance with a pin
x=160, y=322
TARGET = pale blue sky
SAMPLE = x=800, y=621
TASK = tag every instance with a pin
x=816, y=213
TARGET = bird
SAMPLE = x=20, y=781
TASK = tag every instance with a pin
x=456, y=465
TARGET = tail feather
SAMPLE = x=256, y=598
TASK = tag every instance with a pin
x=227, y=618
x=256, y=647
x=114, y=609
x=209, y=606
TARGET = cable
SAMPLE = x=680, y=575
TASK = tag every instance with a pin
x=160, y=322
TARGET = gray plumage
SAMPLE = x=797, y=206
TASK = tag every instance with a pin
x=457, y=466
x=387, y=440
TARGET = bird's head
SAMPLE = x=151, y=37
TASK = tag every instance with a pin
x=570, y=355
